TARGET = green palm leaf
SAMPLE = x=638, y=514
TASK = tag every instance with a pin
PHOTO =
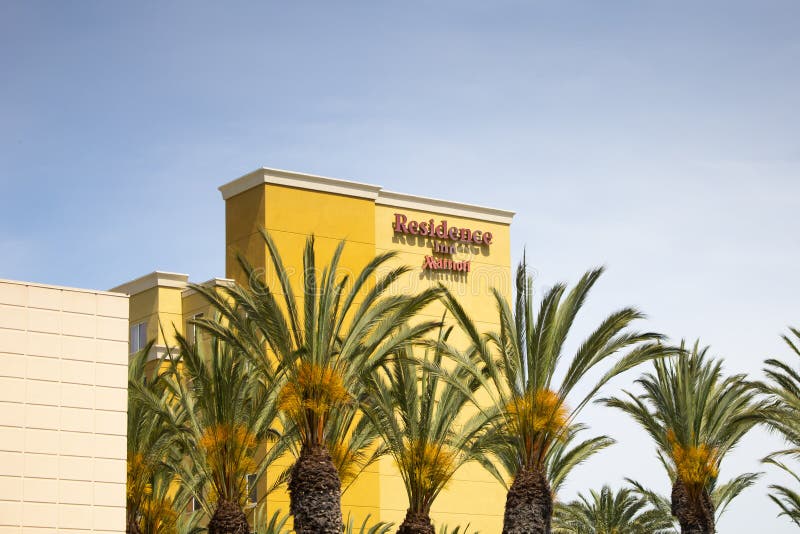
x=695, y=415
x=782, y=415
x=536, y=392
x=521, y=360
x=419, y=408
x=609, y=512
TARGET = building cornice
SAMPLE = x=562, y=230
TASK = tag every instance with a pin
x=299, y=180
x=110, y=293
x=154, y=279
x=266, y=175
x=447, y=207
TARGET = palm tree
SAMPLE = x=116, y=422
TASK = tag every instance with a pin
x=150, y=444
x=517, y=367
x=223, y=416
x=320, y=344
x=353, y=442
x=782, y=415
x=419, y=410
x=721, y=496
x=609, y=512
x=163, y=510
x=695, y=416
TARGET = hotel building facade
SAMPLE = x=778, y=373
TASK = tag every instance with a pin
x=464, y=247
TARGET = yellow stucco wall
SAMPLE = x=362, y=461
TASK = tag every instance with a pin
x=158, y=306
x=473, y=496
x=290, y=215
x=244, y=215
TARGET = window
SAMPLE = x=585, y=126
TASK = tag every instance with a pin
x=252, y=488
x=138, y=336
x=193, y=329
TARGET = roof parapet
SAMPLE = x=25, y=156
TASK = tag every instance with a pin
x=151, y=280
x=266, y=175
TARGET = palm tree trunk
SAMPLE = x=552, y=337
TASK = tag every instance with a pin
x=315, y=493
x=228, y=518
x=696, y=516
x=529, y=504
x=132, y=526
x=416, y=523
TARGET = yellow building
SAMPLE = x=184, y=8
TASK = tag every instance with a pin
x=465, y=247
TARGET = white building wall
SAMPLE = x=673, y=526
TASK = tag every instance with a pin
x=63, y=409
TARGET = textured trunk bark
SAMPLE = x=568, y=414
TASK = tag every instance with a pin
x=315, y=493
x=228, y=518
x=416, y=523
x=132, y=526
x=696, y=516
x=529, y=504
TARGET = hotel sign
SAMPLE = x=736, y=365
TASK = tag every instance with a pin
x=449, y=237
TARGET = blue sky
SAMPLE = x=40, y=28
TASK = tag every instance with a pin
x=657, y=138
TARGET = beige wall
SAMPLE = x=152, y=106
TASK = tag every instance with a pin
x=63, y=409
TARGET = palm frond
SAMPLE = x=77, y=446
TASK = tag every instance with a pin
x=610, y=512
x=782, y=415
x=367, y=526
x=517, y=366
x=224, y=417
x=458, y=529
x=320, y=343
x=418, y=407
x=694, y=415
x=275, y=523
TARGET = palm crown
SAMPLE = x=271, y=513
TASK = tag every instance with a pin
x=224, y=418
x=693, y=413
x=324, y=341
x=695, y=416
x=419, y=410
x=609, y=512
x=517, y=365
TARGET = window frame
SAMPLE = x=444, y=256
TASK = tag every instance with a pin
x=252, y=488
x=193, y=331
x=138, y=337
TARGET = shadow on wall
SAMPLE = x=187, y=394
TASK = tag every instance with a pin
x=443, y=276
x=423, y=242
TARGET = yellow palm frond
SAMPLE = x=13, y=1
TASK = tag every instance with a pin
x=538, y=412
x=696, y=465
x=315, y=388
